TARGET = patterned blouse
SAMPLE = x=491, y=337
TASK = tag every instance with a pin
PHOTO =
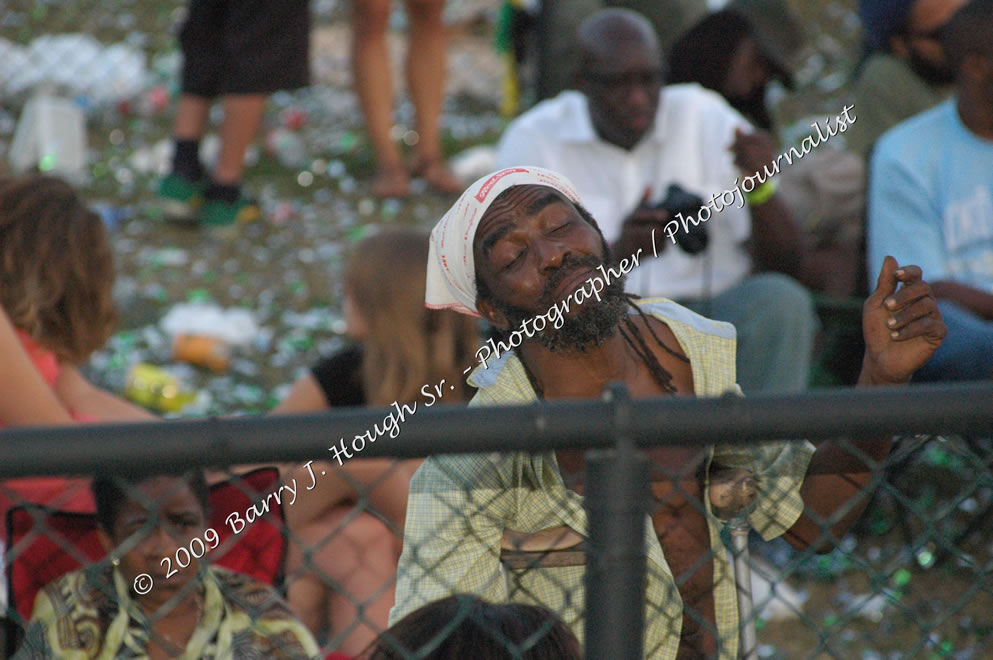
x=90, y=614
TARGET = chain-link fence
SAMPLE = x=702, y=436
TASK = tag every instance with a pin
x=910, y=579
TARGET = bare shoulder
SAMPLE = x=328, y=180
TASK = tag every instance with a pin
x=655, y=331
x=659, y=338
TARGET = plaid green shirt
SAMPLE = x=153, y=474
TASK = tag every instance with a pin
x=460, y=506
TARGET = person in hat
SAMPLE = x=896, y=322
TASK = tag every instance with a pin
x=738, y=51
x=904, y=68
x=931, y=199
x=624, y=138
x=520, y=249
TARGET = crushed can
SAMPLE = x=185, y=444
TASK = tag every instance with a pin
x=156, y=389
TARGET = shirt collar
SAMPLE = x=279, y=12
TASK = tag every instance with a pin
x=505, y=379
x=129, y=610
x=505, y=375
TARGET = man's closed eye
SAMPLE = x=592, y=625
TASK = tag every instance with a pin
x=516, y=261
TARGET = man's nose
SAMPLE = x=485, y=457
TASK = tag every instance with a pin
x=761, y=75
x=638, y=95
x=551, y=254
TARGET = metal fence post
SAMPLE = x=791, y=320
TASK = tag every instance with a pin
x=617, y=499
x=748, y=638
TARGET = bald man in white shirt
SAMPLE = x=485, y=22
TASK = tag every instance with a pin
x=623, y=138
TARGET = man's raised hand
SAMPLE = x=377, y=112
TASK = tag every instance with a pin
x=901, y=324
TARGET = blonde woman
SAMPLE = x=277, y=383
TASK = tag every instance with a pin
x=400, y=347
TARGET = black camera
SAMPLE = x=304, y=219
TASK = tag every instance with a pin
x=694, y=239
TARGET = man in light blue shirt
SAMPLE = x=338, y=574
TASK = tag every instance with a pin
x=931, y=200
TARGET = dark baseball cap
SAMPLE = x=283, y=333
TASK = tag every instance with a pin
x=777, y=30
x=881, y=19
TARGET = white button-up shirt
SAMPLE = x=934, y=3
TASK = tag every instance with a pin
x=689, y=144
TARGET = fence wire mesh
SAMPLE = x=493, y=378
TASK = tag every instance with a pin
x=910, y=579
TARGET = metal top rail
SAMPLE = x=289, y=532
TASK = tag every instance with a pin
x=156, y=446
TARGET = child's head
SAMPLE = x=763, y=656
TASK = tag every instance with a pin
x=465, y=625
x=406, y=345
x=56, y=266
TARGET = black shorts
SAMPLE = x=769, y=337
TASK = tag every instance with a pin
x=245, y=46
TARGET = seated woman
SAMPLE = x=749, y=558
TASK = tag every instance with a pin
x=134, y=606
x=402, y=346
x=56, y=309
x=56, y=290
x=465, y=626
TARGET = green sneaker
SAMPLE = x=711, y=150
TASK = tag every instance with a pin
x=181, y=198
x=217, y=213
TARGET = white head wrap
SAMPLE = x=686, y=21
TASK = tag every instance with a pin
x=451, y=279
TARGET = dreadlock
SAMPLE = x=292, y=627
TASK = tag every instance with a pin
x=632, y=335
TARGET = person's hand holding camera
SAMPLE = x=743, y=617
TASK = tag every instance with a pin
x=636, y=231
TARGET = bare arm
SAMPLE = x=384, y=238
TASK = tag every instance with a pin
x=777, y=240
x=836, y=482
x=80, y=395
x=972, y=299
x=25, y=398
x=637, y=230
x=386, y=481
x=305, y=396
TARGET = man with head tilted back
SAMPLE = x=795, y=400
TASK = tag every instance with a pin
x=904, y=70
x=517, y=248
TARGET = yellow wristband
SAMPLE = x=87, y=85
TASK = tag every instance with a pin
x=762, y=194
